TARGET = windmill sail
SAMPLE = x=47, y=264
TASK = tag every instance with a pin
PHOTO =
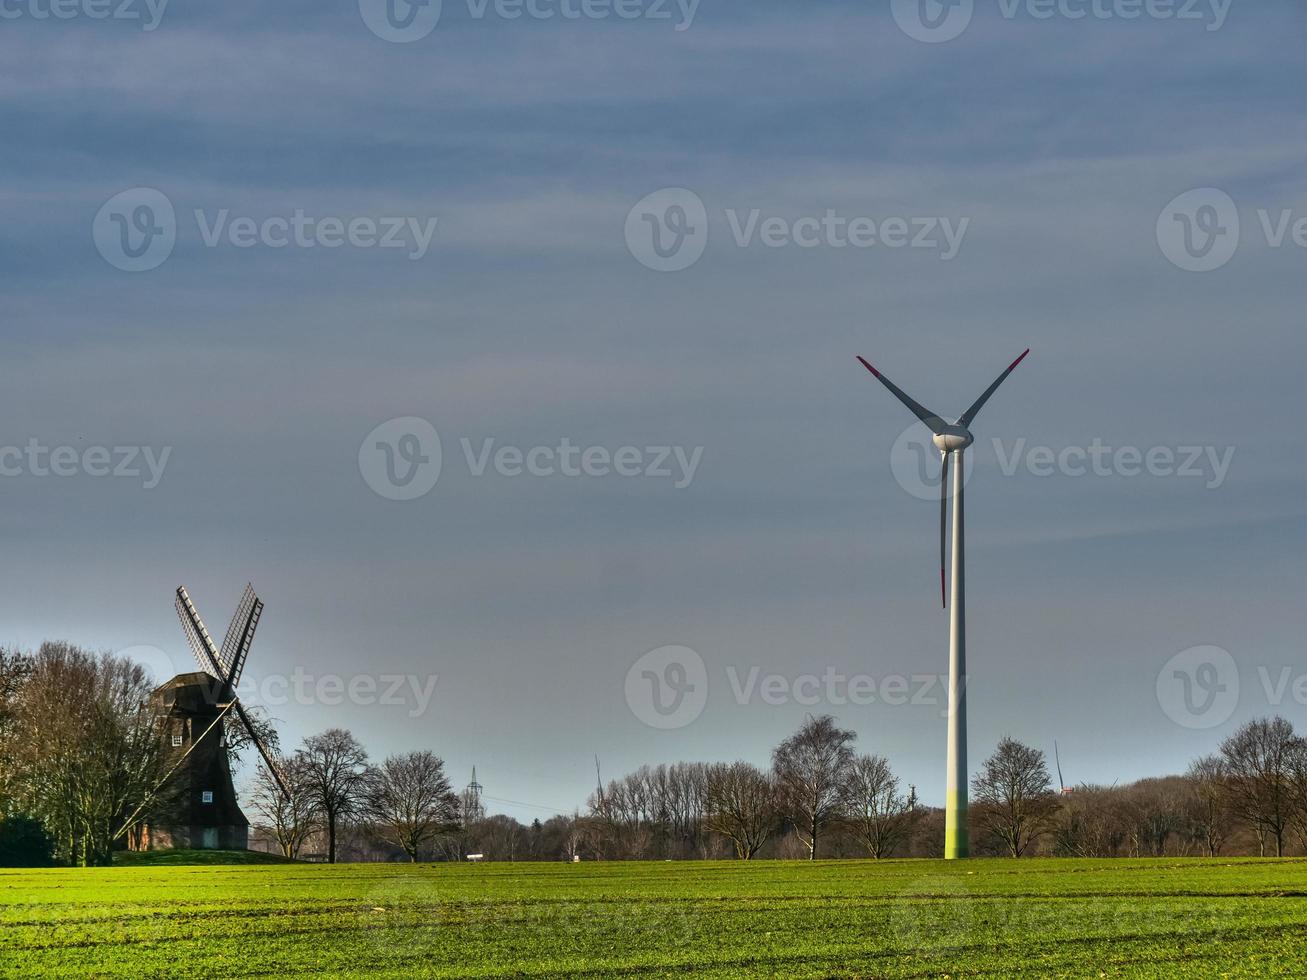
x=197, y=636
x=268, y=759
x=240, y=634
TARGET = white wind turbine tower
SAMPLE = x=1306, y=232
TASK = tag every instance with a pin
x=952, y=439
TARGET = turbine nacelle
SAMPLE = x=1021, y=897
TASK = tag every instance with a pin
x=952, y=438
x=949, y=438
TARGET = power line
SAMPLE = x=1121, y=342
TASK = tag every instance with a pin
x=532, y=806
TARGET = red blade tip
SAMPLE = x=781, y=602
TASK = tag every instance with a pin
x=868, y=366
x=1020, y=359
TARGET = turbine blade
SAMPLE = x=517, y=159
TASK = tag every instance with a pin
x=971, y=412
x=943, y=529
x=933, y=421
x=258, y=744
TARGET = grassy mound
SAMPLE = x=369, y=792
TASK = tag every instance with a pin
x=164, y=858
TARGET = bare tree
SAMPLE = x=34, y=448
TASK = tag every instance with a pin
x=1209, y=803
x=1014, y=796
x=741, y=806
x=88, y=753
x=292, y=819
x=499, y=838
x=15, y=670
x=1258, y=761
x=86, y=749
x=1298, y=790
x=336, y=773
x=1153, y=812
x=1090, y=823
x=876, y=813
x=412, y=802
x=810, y=768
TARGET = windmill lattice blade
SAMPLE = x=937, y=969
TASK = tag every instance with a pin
x=258, y=744
x=943, y=529
x=240, y=634
x=933, y=421
x=971, y=412
x=197, y=637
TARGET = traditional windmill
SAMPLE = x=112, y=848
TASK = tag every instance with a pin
x=198, y=807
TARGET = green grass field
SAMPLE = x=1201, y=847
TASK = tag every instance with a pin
x=1035, y=918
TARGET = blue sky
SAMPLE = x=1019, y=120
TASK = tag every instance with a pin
x=529, y=320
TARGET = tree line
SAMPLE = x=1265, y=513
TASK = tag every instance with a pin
x=821, y=798
x=82, y=757
x=406, y=802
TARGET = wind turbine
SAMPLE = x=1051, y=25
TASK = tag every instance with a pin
x=952, y=439
x=1061, y=783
